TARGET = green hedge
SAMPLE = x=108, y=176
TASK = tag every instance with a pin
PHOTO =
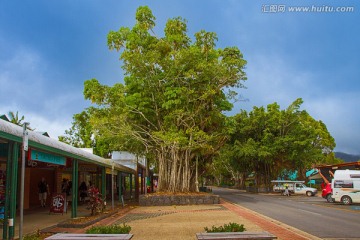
x=112, y=229
x=231, y=227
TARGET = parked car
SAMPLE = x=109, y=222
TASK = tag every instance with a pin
x=295, y=187
x=327, y=192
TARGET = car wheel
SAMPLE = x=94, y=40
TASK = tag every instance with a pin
x=309, y=194
x=346, y=200
x=329, y=198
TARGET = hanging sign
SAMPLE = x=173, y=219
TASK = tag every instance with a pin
x=109, y=171
x=46, y=157
x=58, y=203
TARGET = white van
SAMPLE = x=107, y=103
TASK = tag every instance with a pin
x=346, y=186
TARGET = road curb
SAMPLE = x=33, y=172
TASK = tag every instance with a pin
x=281, y=230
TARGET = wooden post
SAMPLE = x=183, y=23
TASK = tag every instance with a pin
x=103, y=182
x=13, y=189
x=9, y=165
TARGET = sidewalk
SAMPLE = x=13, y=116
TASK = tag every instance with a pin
x=183, y=222
x=39, y=218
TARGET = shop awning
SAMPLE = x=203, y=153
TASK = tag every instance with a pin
x=14, y=133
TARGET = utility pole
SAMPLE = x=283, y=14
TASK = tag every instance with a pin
x=25, y=147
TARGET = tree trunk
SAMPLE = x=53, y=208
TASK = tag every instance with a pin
x=175, y=173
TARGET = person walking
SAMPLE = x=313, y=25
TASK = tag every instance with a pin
x=83, y=191
x=43, y=191
x=286, y=192
x=64, y=186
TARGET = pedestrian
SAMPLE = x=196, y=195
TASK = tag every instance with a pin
x=155, y=184
x=83, y=191
x=65, y=187
x=43, y=191
x=286, y=192
x=68, y=190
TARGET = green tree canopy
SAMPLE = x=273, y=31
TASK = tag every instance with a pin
x=82, y=134
x=269, y=140
x=172, y=101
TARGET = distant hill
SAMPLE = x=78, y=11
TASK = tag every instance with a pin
x=347, y=157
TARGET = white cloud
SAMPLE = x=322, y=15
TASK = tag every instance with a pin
x=21, y=77
x=42, y=123
x=24, y=89
x=54, y=127
x=341, y=118
x=273, y=79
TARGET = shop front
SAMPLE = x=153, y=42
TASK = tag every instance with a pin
x=47, y=159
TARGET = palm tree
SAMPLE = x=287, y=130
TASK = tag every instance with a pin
x=14, y=118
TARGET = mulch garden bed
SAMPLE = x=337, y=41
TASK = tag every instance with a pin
x=82, y=222
x=184, y=198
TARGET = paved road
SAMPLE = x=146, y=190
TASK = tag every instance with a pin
x=309, y=214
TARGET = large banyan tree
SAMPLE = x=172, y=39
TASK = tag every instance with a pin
x=170, y=107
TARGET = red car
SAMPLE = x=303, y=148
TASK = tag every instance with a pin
x=327, y=192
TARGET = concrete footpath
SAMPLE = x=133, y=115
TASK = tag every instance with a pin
x=183, y=222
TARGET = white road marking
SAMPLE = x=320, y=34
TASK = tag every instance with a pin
x=310, y=212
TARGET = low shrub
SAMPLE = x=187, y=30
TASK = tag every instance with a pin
x=36, y=236
x=231, y=227
x=112, y=229
x=32, y=237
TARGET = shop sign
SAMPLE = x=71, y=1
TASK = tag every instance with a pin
x=58, y=203
x=87, y=168
x=46, y=157
x=109, y=171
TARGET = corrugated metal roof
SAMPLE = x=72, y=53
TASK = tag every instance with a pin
x=66, y=150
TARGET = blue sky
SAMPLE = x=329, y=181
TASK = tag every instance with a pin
x=48, y=48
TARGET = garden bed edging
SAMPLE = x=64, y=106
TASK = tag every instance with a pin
x=168, y=200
